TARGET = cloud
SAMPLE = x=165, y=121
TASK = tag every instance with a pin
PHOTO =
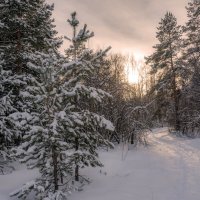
x=126, y=25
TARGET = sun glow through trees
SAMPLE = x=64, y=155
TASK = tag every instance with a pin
x=133, y=67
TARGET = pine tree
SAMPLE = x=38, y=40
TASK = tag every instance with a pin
x=5, y=134
x=45, y=143
x=88, y=134
x=62, y=134
x=192, y=30
x=164, y=63
x=191, y=59
x=25, y=27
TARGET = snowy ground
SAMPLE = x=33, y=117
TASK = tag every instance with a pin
x=169, y=169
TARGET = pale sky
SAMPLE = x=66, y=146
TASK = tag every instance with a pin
x=129, y=26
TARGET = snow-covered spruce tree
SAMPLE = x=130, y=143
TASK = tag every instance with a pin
x=164, y=63
x=25, y=27
x=5, y=133
x=191, y=60
x=62, y=132
x=191, y=30
x=87, y=133
x=45, y=143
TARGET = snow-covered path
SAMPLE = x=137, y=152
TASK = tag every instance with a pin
x=167, y=170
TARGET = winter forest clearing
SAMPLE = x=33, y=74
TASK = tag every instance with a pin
x=81, y=118
x=167, y=169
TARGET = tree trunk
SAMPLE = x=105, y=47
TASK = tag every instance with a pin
x=175, y=96
x=61, y=176
x=77, y=173
x=55, y=168
x=19, y=67
x=132, y=138
x=76, y=167
x=177, y=121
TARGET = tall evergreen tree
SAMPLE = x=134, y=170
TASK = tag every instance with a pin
x=44, y=145
x=62, y=134
x=25, y=27
x=88, y=135
x=164, y=63
x=192, y=30
x=191, y=59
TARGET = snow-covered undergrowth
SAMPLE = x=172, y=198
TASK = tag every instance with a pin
x=169, y=169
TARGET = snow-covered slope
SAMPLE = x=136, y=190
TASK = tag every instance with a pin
x=169, y=169
x=13, y=181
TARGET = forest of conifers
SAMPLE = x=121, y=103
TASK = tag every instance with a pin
x=57, y=109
